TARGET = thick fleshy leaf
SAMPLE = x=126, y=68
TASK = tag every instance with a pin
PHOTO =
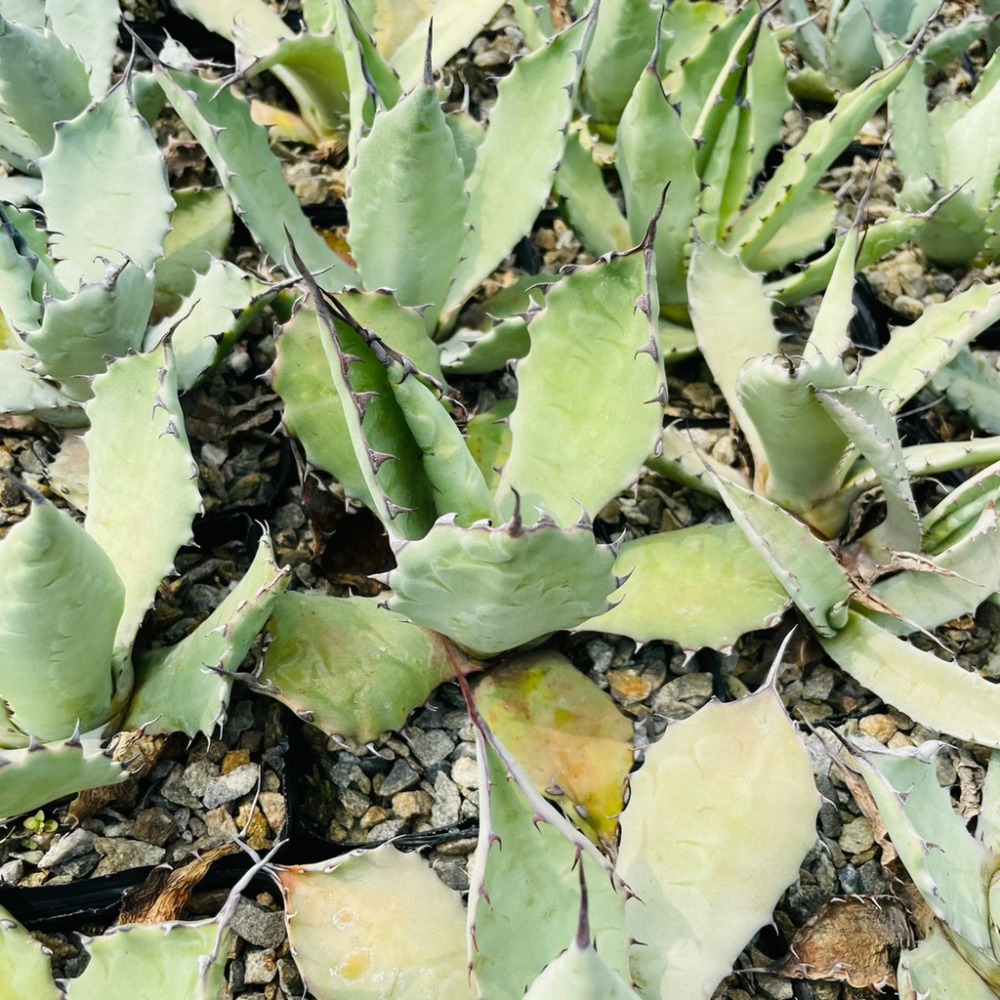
x=801, y=562
x=492, y=589
x=60, y=603
x=653, y=150
x=60, y=90
x=23, y=391
x=251, y=175
x=175, y=961
x=699, y=586
x=111, y=149
x=103, y=319
x=935, y=969
x=143, y=483
x=524, y=894
x=932, y=691
x=185, y=688
x=947, y=864
x=720, y=288
x=25, y=966
x=92, y=30
x=701, y=885
x=532, y=111
x=602, y=388
x=916, y=352
x=398, y=930
x=407, y=203
x=198, y=330
x=349, y=666
x=200, y=227
x=566, y=733
x=33, y=777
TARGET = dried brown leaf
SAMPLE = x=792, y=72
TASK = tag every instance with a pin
x=856, y=940
x=165, y=893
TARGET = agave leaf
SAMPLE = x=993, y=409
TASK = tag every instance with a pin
x=92, y=30
x=653, y=150
x=143, y=488
x=935, y=969
x=947, y=864
x=800, y=561
x=590, y=207
x=621, y=46
x=313, y=412
x=198, y=331
x=717, y=281
x=581, y=973
x=958, y=512
x=699, y=586
x=103, y=319
x=524, y=895
x=972, y=385
x=60, y=90
x=487, y=435
x=35, y=776
x=830, y=338
x=251, y=175
x=25, y=966
x=178, y=961
x=539, y=580
x=505, y=193
x=567, y=734
x=301, y=376
x=456, y=24
x=61, y=601
x=349, y=666
x=916, y=352
x=932, y=691
x=800, y=237
x=399, y=929
x=781, y=197
x=988, y=822
x=371, y=80
x=109, y=148
x=185, y=688
x=701, y=886
x=23, y=391
x=801, y=445
x=22, y=308
x=863, y=414
x=967, y=573
x=407, y=234
x=200, y=227
x=606, y=386
x=878, y=242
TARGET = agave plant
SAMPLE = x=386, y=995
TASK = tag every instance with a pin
x=701, y=117
x=954, y=870
x=942, y=151
x=73, y=596
x=845, y=52
x=89, y=285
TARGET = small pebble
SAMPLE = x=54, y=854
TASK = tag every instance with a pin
x=856, y=836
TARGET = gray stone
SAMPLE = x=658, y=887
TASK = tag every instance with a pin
x=79, y=867
x=856, y=837
x=289, y=979
x=257, y=926
x=452, y=872
x=354, y=802
x=465, y=773
x=431, y=746
x=399, y=779
x=11, y=872
x=227, y=787
x=154, y=825
x=78, y=842
x=275, y=810
x=850, y=879
x=186, y=787
x=120, y=855
x=385, y=831
x=260, y=966
x=447, y=802
x=601, y=655
x=239, y=720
